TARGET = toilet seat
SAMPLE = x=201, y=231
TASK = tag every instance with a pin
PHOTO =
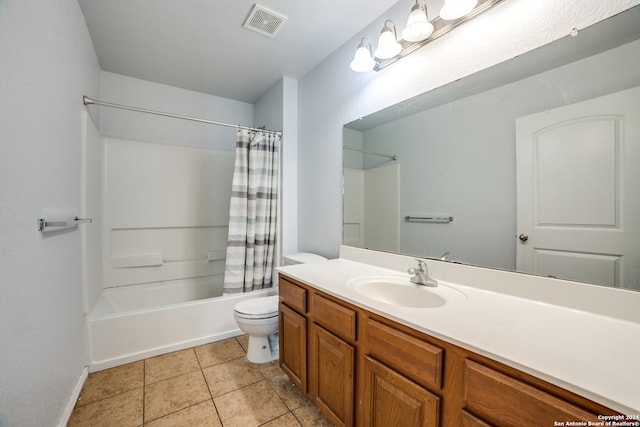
x=257, y=308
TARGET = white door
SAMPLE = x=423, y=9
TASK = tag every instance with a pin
x=578, y=191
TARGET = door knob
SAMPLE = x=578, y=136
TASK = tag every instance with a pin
x=523, y=237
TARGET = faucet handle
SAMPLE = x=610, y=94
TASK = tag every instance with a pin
x=421, y=265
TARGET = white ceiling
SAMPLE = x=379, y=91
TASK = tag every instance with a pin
x=202, y=45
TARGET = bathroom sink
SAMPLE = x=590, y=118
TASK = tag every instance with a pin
x=399, y=291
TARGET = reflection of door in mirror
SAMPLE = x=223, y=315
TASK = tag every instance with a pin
x=372, y=207
x=578, y=172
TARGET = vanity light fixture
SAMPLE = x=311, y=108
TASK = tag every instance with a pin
x=419, y=31
x=362, y=60
x=454, y=9
x=418, y=25
x=388, y=45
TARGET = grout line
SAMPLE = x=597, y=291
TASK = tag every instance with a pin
x=243, y=387
x=182, y=409
x=111, y=396
x=144, y=388
x=197, y=358
x=215, y=407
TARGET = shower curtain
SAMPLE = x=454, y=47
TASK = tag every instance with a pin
x=252, y=214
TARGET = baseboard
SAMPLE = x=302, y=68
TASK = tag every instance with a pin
x=68, y=409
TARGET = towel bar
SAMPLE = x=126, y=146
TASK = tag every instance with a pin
x=411, y=218
x=44, y=225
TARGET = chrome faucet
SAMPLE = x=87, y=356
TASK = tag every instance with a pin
x=420, y=275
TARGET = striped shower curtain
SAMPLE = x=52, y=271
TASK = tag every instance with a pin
x=252, y=214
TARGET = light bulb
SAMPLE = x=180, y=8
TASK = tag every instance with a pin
x=418, y=25
x=388, y=45
x=362, y=60
x=454, y=9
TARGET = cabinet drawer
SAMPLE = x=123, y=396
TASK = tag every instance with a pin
x=292, y=295
x=334, y=317
x=411, y=356
x=503, y=400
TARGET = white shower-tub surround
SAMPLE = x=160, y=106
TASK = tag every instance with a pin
x=117, y=337
x=162, y=226
x=154, y=255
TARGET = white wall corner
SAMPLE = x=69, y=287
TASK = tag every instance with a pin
x=71, y=403
x=289, y=218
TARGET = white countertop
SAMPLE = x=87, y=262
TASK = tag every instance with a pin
x=589, y=353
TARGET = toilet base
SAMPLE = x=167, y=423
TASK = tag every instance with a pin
x=259, y=350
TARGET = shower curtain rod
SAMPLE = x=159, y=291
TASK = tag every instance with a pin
x=88, y=101
x=373, y=153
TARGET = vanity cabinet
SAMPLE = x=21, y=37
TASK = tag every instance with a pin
x=363, y=369
x=323, y=366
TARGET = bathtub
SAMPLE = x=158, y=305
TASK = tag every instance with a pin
x=131, y=323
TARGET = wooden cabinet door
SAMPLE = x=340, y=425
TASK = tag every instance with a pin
x=331, y=375
x=293, y=346
x=390, y=399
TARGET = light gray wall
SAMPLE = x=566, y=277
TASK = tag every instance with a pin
x=332, y=95
x=124, y=124
x=268, y=109
x=48, y=63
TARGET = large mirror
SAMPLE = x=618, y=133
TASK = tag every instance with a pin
x=532, y=165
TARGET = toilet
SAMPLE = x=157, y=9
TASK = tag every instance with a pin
x=258, y=317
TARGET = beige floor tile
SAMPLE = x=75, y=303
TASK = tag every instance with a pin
x=122, y=410
x=271, y=369
x=174, y=394
x=250, y=406
x=201, y=415
x=287, y=420
x=310, y=416
x=107, y=383
x=290, y=394
x=231, y=375
x=219, y=352
x=170, y=365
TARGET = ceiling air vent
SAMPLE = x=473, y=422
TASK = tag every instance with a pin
x=264, y=21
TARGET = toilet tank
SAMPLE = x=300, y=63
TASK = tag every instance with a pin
x=301, y=258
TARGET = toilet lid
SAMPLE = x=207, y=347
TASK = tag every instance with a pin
x=258, y=308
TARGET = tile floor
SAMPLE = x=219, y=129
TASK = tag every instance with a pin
x=208, y=385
